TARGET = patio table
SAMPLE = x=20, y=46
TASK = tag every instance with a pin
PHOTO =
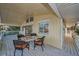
x=30, y=41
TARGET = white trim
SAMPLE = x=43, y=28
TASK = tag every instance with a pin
x=62, y=32
x=0, y=19
x=54, y=8
x=9, y=24
x=31, y=23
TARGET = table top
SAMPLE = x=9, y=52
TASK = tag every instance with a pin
x=27, y=39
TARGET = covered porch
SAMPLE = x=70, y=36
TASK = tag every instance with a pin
x=42, y=19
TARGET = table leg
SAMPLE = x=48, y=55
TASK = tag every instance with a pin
x=22, y=53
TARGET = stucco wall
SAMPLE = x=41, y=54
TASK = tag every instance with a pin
x=54, y=37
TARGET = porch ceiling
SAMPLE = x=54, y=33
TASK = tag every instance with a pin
x=70, y=12
x=16, y=13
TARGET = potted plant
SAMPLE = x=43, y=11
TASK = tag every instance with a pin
x=77, y=31
x=77, y=37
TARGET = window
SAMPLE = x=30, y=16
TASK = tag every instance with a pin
x=29, y=19
x=43, y=27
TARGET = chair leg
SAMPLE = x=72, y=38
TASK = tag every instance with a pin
x=14, y=52
x=22, y=53
x=28, y=48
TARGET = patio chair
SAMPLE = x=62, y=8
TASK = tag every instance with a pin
x=20, y=45
x=39, y=42
x=33, y=35
x=20, y=36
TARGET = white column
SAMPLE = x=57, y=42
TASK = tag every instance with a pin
x=0, y=19
x=62, y=32
x=22, y=30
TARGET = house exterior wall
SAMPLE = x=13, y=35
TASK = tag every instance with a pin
x=54, y=36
